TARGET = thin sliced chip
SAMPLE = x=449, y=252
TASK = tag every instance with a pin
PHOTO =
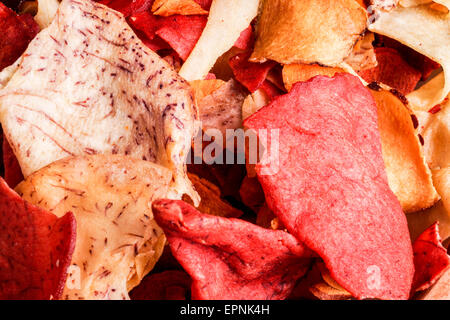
x=118, y=242
x=424, y=98
x=363, y=55
x=430, y=258
x=408, y=174
x=222, y=109
x=221, y=32
x=230, y=258
x=424, y=30
x=13, y=174
x=324, y=291
x=211, y=201
x=166, y=285
x=35, y=248
x=253, y=102
x=46, y=12
x=393, y=71
x=16, y=34
x=246, y=39
x=293, y=73
x=113, y=96
x=250, y=74
x=308, y=31
x=203, y=88
x=171, y=7
x=329, y=148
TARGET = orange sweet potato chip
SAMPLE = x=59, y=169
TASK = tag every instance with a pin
x=293, y=73
x=172, y=7
x=308, y=31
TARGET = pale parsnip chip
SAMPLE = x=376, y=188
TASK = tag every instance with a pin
x=423, y=29
x=226, y=20
x=308, y=31
x=413, y=3
x=88, y=85
x=408, y=174
x=171, y=7
x=423, y=99
x=46, y=12
x=118, y=242
x=253, y=102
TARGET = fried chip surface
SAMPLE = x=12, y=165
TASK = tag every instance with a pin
x=118, y=242
x=308, y=31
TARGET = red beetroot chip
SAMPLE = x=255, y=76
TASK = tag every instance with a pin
x=250, y=74
x=230, y=258
x=393, y=71
x=13, y=173
x=246, y=39
x=205, y=4
x=128, y=7
x=327, y=184
x=182, y=32
x=430, y=258
x=166, y=285
x=271, y=90
x=17, y=32
x=35, y=249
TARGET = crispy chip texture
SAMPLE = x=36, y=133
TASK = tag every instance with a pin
x=226, y=20
x=293, y=73
x=330, y=149
x=97, y=91
x=118, y=242
x=171, y=7
x=35, y=248
x=230, y=258
x=430, y=258
x=408, y=174
x=424, y=30
x=308, y=31
x=17, y=32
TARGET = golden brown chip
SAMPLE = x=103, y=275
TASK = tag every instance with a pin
x=419, y=221
x=308, y=31
x=171, y=7
x=118, y=242
x=293, y=73
x=363, y=55
x=203, y=88
x=324, y=291
x=211, y=202
x=408, y=174
x=441, y=180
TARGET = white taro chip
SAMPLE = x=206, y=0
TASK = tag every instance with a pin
x=424, y=30
x=118, y=241
x=86, y=85
x=226, y=20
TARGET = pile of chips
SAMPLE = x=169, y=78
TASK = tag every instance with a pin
x=347, y=99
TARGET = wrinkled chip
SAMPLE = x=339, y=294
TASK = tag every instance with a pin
x=211, y=202
x=17, y=32
x=329, y=148
x=166, y=285
x=393, y=71
x=293, y=73
x=113, y=96
x=222, y=109
x=118, y=242
x=424, y=98
x=203, y=88
x=430, y=258
x=171, y=7
x=221, y=32
x=35, y=248
x=250, y=74
x=408, y=174
x=308, y=31
x=13, y=174
x=424, y=30
x=231, y=258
